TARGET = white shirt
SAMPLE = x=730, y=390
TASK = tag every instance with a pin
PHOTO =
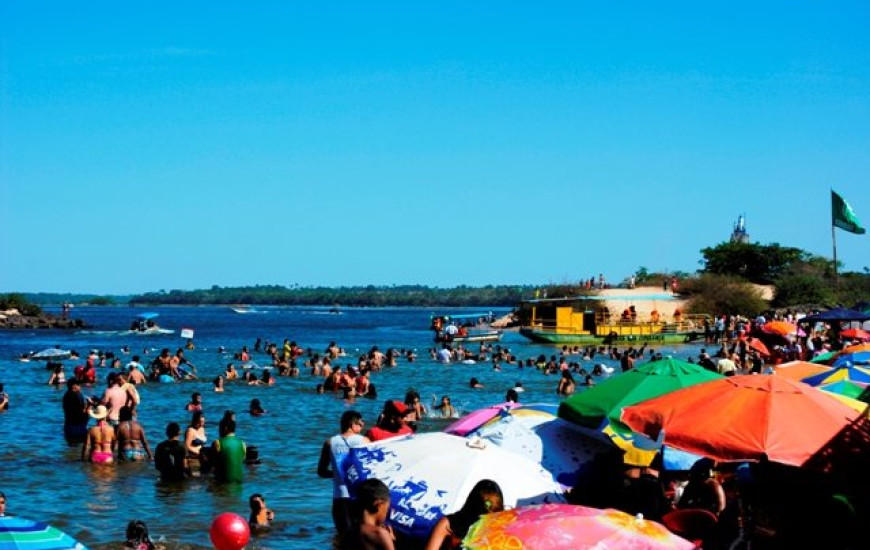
x=444, y=355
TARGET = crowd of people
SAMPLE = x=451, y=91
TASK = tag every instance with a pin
x=187, y=452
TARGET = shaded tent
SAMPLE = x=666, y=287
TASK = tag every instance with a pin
x=840, y=314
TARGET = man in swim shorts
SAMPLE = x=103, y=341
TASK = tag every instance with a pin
x=170, y=457
x=332, y=456
x=75, y=413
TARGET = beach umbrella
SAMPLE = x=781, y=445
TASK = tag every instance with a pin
x=847, y=388
x=853, y=358
x=798, y=370
x=561, y=447
x=845, y=372
x=855, y=347
x=432, y=474
x=856, y=333
x=606, y=400
x=569, y=527
x=26, y=534
x=757, y=345
x=51, y=354
x=781, y=328
x=743, y=418
x=823, y=357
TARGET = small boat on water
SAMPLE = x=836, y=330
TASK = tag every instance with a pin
x=464, y=328
x=145, y=325
x=586, y=320
x=245, y=309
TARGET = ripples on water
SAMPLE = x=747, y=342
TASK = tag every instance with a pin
x=44, y=479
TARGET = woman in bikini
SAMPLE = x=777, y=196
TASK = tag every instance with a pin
x=132, y=443
x=101, y=440
x=194, y=441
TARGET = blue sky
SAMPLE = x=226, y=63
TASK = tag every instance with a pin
x=164, y=145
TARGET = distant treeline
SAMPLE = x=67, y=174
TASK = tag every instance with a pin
x=56, y=299
x=356, y=296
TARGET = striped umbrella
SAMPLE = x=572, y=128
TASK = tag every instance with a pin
x=26, y=534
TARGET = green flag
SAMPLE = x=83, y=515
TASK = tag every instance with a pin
x=843, y=216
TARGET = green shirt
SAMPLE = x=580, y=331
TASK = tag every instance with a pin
x=230, y=459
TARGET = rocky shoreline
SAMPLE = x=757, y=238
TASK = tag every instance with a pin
x=12, y=319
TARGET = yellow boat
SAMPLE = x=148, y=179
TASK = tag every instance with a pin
x=587, y=321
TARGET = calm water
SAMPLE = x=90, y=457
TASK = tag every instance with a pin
x=43, y=478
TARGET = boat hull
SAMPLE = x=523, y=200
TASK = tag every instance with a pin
x=488, y=336
x=553, y=337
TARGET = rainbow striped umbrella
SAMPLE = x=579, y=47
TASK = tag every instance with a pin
x=26, y=534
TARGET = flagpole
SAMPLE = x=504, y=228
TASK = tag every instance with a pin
x=834, y=240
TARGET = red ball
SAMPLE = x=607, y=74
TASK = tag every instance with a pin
x=229, y=532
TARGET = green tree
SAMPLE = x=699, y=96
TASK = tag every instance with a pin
x=754, y=262
x=717, y=294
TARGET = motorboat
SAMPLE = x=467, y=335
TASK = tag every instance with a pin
x=464, y=328
x=145, y=325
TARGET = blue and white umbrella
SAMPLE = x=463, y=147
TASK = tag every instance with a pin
x=431, y=474
x=26, y=534
x=561, y=447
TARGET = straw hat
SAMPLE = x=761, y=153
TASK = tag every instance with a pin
x=99, y=412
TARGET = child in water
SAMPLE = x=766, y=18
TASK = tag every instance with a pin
x=261, y=517
x=370, y=531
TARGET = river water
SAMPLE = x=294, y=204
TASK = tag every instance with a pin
x=44, y=479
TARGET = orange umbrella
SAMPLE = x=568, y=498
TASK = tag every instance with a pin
x=744, y=418
x=781, y=328
x=757, y=345
x=798, y=370
x=853, y=349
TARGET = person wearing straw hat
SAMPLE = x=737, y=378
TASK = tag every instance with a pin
x=101, y=440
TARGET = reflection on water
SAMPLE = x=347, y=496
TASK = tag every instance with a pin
x=44, y=478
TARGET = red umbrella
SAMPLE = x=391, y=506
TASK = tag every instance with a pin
x=856, y=333
x=744, y=418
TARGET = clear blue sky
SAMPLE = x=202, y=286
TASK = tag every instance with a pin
x=164, y=145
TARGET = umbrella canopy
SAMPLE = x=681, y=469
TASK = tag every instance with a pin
x=757, y=345
x=431, y=474
x=847, y=388
x=26, y=534
x=51, y=354
x=782, y=328
x=561, y=447
x=567, y=527
x=845, y=372
x=855, y=347
x=856, y=333
x=798, y=370
x=823, y=357
x=744, y=418
x=607, y=399
x=853, y=358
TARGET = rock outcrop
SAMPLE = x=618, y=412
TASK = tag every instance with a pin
x=12, y=319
